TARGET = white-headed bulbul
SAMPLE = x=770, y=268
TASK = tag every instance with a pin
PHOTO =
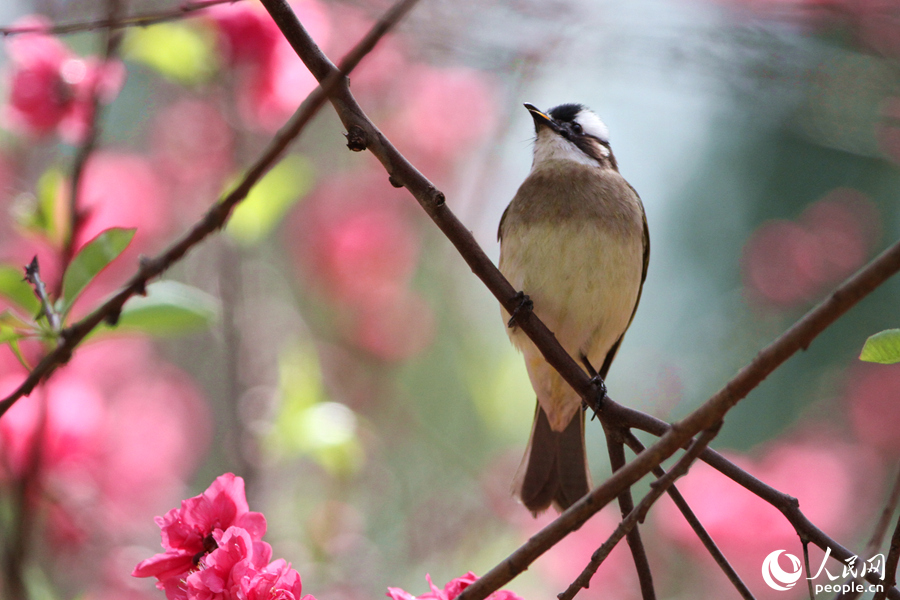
x=574, y=239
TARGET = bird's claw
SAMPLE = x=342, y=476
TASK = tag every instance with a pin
x=524, y=303
x=600, y=385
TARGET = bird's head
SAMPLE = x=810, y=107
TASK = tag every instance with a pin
x=571, y=132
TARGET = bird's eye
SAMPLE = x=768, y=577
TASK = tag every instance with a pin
x=576, y=128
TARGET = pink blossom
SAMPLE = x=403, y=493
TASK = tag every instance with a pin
x=218, y=574
x=275, y=581
x=51, y=89
x=453, y=589
x=191, y=533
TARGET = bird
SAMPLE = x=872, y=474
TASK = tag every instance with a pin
x=574, y=241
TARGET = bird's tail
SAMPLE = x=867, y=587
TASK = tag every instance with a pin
x=554, y=470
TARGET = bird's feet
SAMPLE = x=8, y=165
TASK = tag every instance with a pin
x=524, y=304
x=596, y=401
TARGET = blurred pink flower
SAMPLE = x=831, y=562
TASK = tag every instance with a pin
x=443, y=113
x=831, y=479
x=787, y=263
x=872, y=395
x=51, y=89
x=94, y=476
x=453, y=589
x=394, y=323
x=272, y=80
x=385, y=65
x=191, y=533
x=358, y=243
x=123, y=190
x=372, y=248
x=192, y=142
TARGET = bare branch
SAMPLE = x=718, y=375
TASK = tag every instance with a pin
x=214, y=218
x=615, y=444
x=187, y=9
x=86, y=148
x=878, y=532
x=689, y=516
x=657, y=489
x=788, y=505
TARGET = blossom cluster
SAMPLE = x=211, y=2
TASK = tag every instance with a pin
x=214, y=550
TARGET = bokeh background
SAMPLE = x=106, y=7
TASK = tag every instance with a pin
x=338, y=354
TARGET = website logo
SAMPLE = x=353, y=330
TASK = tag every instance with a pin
x=854, y=573
x=776, y=577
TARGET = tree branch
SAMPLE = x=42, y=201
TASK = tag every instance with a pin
x=788, y=505
x=86, y=148
x=187, y=9
x=689, y=516
x=636, y=515
x=615, y=444
x=214, y=218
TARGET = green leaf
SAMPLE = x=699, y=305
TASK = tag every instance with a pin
x=90, y=260
x=265, y=205
x=14, y=288
x=12, y=329
x=178, y=51
x=883, y=347
x=169, y=309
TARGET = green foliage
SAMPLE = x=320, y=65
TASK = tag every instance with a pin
x=169, y=309
x=14, y=288
x=883, y=347
x=90, y=260
x=178, y=51
x=269, y=199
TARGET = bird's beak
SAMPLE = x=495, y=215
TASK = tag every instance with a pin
x=540, y=119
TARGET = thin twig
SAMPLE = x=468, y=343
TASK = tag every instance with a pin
x=214, y=218
x=615, y=445
x=87, y=146
x=890, y=565
x=878, y=532
x=657, y=489
x=187, y=9
x=809, y=583
x=701, y=533
x=788, y=505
